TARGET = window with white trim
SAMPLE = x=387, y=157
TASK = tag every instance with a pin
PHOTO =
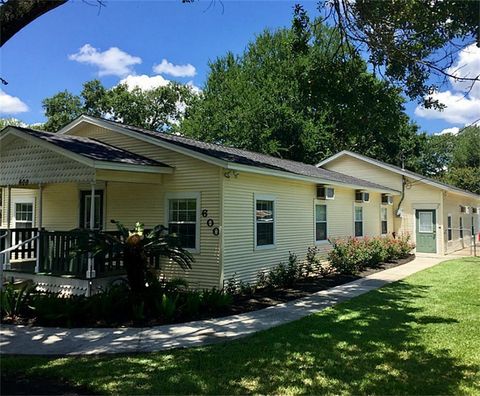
x=183, y=215
x=24, y=215
x=320, y=223
x=449, y=228
x=264, y=222
x=358, y=221
x=384, y=220
x=1, y=205
x=461, y=227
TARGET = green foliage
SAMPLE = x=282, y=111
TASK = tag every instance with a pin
x=215, y=300
x=352, y=255
x=291, y=95
x=314, y=264
x=14, y=299
x=409, y=42
x=282, y=275
x=155, y=109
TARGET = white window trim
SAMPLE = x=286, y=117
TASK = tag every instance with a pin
x=449, y=216
x=323, y=241
x=27, y=200
x=382, y=207
x=185, y=195
x=264, y=197
x=363, y=220
x=461, y=229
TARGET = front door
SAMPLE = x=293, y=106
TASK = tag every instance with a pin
x=426, y=232
x=85, y=200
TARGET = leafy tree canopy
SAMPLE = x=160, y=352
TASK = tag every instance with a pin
x=292, y=94
x=409, y=42
x=156, y=109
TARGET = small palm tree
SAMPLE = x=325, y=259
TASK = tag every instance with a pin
x=134, y=247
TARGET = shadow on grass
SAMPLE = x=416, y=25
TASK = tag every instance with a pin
x=372, y=344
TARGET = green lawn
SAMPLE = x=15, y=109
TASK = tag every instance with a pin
x=418, y=336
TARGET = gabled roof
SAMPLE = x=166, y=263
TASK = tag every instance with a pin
x=90, y=149
x=400, y=171
x=233, y=158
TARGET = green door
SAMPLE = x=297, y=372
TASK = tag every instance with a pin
x=426, y=233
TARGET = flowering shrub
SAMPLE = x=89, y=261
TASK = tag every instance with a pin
x=351, y=255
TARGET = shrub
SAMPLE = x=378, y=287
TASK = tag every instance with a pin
x=282, y=275
x=351, y=255
x=214, y=300
x=14, y=299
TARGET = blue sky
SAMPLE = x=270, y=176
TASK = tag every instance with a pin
x=45, y=57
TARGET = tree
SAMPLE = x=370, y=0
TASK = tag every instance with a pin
x=290, y=94
x=4, y=122
x=156, y=109
x=408, y=41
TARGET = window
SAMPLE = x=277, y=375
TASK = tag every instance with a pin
x=1, y=206
x=320, y=222
x=85, y=205
x=425, y=224
x=23, y=215
x=384, y=220
x=358, y=221
x=449, y=228
x=461, y=227
x=183, y=219
x=264, y=222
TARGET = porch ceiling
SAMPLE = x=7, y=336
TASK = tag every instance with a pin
x=30, y=157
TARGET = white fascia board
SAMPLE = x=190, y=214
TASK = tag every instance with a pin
x=118, y=166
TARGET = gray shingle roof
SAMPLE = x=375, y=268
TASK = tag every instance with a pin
x=244, y=157
x=91, y=148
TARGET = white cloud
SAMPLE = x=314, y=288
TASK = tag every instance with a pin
x=175, y=70
x=460, y=109
x=144, y=82
x=11, y=104
x=462, y=101
x=468, y=66
x=112, y=62
x=453, y=131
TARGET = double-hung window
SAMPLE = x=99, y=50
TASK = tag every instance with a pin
x=449, y=228
x=183, y=219
x=358, y=221
x=24, y=215
x=320, y=223
x=384, y=220
x=264, y=221
x=461, y=227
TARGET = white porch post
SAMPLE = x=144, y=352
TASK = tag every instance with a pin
x=8, y=242
x=39, y=226
x=91, y=266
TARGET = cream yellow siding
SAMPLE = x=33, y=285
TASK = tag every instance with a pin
x=363, y=170
x=189, y=175
x=294, y=221
x=452, y=204
x=17, y=195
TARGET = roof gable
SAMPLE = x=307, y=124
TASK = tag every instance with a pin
x=399, y=171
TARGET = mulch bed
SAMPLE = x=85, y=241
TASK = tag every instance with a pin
x=264, y=298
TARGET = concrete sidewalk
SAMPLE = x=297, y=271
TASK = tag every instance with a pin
x=24, y=340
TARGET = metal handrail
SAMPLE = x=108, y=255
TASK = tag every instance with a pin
x=20, y=244
x=3, y=236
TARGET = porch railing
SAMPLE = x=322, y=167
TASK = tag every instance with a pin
x=57, y=253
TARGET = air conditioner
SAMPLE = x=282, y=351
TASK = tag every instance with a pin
x=325, y=192
x=387, y=199
x=463, y=209
x=362, y=196
x=475, y=210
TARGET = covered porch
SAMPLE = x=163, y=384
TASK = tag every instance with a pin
x=53, y=184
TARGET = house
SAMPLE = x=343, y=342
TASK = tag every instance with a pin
x=441, y=218
x=237, y=212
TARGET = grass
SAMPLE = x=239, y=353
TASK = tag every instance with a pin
x=417, y=336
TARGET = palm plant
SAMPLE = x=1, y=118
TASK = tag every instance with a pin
x=134, y=247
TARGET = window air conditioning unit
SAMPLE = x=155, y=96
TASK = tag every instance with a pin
x=325, y=192
x=362, y=196
x=475, y=210
x=387, y=199
x=463, y=209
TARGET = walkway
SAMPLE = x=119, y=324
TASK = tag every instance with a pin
x=24, y=340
